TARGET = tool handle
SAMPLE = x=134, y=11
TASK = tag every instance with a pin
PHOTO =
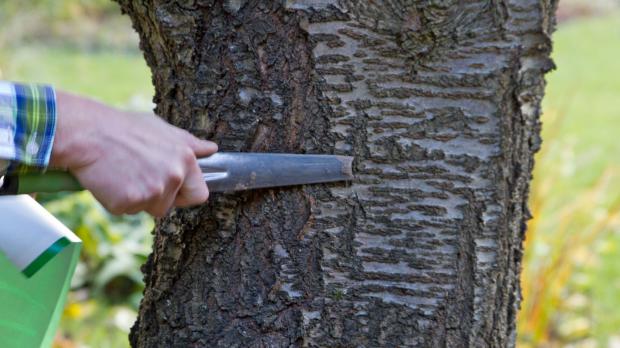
x=51, y=182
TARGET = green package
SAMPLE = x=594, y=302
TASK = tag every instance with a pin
x=38, y=256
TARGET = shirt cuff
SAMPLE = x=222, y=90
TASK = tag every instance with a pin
x=27, y=125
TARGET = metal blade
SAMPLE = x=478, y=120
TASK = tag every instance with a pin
x=237, y=171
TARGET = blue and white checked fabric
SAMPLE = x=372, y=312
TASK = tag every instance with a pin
x=27, y=126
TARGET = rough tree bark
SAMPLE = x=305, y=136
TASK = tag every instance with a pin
x=438, y=100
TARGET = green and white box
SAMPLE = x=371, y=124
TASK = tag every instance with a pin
x=38, y=256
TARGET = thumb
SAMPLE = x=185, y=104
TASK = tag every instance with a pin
x=194, y=189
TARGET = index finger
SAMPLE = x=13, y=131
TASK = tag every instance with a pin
x=201, y=148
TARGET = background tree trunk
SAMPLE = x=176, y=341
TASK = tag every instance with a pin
x=437, y=100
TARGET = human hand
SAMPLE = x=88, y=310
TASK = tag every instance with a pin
x=130, y=162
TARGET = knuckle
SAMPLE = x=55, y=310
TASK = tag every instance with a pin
x=115, y=208
x=175, y=178
x=182, y=132
x=158, y=213
x=133, y=211
x=189, y=137
x=115, y=212
x=188, y=156
x=133, y=197
x=155, y=191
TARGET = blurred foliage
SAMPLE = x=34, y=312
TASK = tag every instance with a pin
x=114, y=247
x=86, y=24
x=107, y=286
x=87, y=47
x=571, y=273
x=117, y=78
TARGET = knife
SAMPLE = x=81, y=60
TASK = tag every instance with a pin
x=222, y=172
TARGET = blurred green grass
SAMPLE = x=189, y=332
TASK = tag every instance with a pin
x=571, y=272
x=118, y=78
x=585, y=89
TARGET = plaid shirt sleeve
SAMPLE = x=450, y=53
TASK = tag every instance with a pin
x=27, y=125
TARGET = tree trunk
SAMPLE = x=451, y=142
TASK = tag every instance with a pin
x=437, y=100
